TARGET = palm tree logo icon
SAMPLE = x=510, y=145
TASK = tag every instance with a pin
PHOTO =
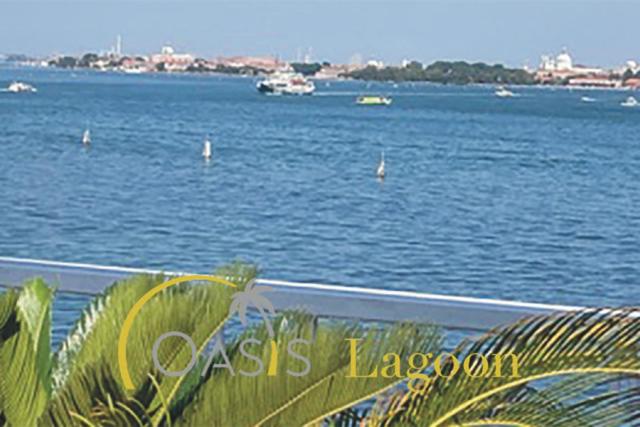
x=252, y=295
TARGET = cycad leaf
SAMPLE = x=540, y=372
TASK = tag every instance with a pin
x=25, y=358
x=8, y=301
x=198, y=310
x=590, y=408
x=96, y=395
x=589, y=342
x=286, y=400
x=8, y=328
x=95, y=335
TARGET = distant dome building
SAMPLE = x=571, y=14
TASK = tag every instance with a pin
x=564, y=62
x=547, y=63
x=172, y=61
x=167, y=50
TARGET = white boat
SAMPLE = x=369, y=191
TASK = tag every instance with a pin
x=132, y=70
x=206, y=149
x=86, y=137
x=502, y=92
x=630, y=102
x=380, y=171
x=285, y=83
x=17, y=87
x=587, y=99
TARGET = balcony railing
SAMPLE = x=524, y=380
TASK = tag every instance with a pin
x=359, y=303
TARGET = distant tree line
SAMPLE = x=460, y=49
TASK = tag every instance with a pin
x=202, y=67
x=444, y=72
x=17, y=57
x=64, y=62
x=308, y=69
x=628, y=74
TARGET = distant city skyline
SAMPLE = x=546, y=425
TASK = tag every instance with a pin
x=513, y=32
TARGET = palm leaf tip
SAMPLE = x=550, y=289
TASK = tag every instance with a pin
x=25, y=354
x=548, y=348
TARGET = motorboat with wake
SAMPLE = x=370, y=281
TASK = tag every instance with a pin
x=503, y=92
x=286, y=83
x=630, y=102
x=20, y=87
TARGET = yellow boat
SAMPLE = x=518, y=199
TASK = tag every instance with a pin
x=373, y=100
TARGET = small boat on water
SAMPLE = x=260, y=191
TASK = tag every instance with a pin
x=380, y=173
x=630, y=102
x=18, y=87
x=285, y=83
x=503, y=92
x=86, y=137
x=206, y=149
x=373, y=100
x=587, y=99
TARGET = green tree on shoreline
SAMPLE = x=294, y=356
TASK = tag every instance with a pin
x=444, y=72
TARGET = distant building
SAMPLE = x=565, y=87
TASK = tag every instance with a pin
x=267, y=63
x=630, y=65
x=562, y=68
x=335, y=71
x=595, y=81
x=561, y=63
x=375, y=63
x=138, y=64
x=633, y=83
x=119, y=45
x=172, y=61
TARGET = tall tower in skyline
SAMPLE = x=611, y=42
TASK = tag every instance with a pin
x=308, y=56
x=119, y=45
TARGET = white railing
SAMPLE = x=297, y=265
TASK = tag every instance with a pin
x=322, y=300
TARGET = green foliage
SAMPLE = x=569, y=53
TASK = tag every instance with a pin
x=88, y=59
x=567, y=364
x=446, y=73
x=64, y=62
x=563, y=360
x=306, y=69
x=628, y=74
x=25, y=357
x=326, y=390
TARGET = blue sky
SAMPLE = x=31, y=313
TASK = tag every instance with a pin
x=512, y=32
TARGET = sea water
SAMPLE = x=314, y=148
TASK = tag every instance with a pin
x=532, y=198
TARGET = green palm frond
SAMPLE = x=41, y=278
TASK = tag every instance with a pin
x=93, y=336
x=546, y=348
x=8, y=328
x=8, y=301
x=603, y=409
x=198, y=310
x=284, y=399
x=95, y=397
x=566, y=365
x=351, y=417
x=25, y=356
